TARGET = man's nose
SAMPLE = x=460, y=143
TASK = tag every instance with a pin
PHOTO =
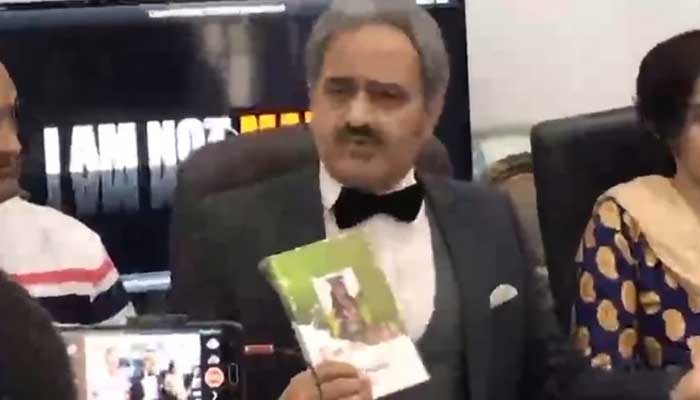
x=360, y=111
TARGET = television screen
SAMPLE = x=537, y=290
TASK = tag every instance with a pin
x=113, y=98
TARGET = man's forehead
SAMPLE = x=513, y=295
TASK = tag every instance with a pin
x=378, y=53
x=345, y=80
x=375, y=39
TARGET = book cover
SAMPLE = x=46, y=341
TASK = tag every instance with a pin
x=342, y=309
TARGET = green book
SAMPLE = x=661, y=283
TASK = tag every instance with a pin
x=342, y=309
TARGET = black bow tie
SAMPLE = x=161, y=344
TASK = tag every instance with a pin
x=354, y=206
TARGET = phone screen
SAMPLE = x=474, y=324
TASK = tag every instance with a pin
x=179, y=364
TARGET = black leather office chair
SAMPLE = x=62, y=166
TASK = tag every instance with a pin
x=576, y=159
x=246, y=159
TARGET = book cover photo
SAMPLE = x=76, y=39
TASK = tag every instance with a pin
x=342, y=309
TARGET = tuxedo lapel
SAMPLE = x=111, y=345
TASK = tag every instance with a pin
x=462, y=241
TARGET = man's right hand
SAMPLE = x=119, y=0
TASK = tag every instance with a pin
x=336, y=381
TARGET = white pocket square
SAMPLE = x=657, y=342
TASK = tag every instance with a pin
x=502, y=294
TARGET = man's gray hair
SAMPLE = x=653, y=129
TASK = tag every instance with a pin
x=406, y=15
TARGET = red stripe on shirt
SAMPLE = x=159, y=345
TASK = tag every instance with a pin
x=76, y=275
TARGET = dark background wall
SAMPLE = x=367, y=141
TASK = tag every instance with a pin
x=111, y=64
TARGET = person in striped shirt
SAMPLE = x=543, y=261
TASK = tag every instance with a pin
x=56, y=258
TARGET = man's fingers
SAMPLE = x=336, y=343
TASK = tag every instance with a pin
x=366, y=387
x=342, y=388
x=365, y=391
x=340, y=381
x=328, y=371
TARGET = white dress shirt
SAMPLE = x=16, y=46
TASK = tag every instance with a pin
x=403, y=250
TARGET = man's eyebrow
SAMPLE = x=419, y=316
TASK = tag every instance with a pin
x=340, y=80
x=390, y=86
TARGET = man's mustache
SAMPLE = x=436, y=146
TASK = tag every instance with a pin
x=364, y=133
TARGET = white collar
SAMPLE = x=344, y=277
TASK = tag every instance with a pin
x=330, y=187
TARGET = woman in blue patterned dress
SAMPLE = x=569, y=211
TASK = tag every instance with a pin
x=639, y=259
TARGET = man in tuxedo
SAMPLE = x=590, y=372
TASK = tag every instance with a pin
x=378, y=72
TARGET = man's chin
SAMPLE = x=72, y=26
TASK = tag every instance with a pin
x=361, y=153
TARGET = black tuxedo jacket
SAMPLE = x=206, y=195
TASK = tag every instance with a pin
x=513, y=351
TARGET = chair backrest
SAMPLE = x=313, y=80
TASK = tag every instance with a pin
x=247, y=159
x=577, y=159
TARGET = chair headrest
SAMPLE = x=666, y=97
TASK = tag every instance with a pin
x=246, y=159
x=576, y=159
